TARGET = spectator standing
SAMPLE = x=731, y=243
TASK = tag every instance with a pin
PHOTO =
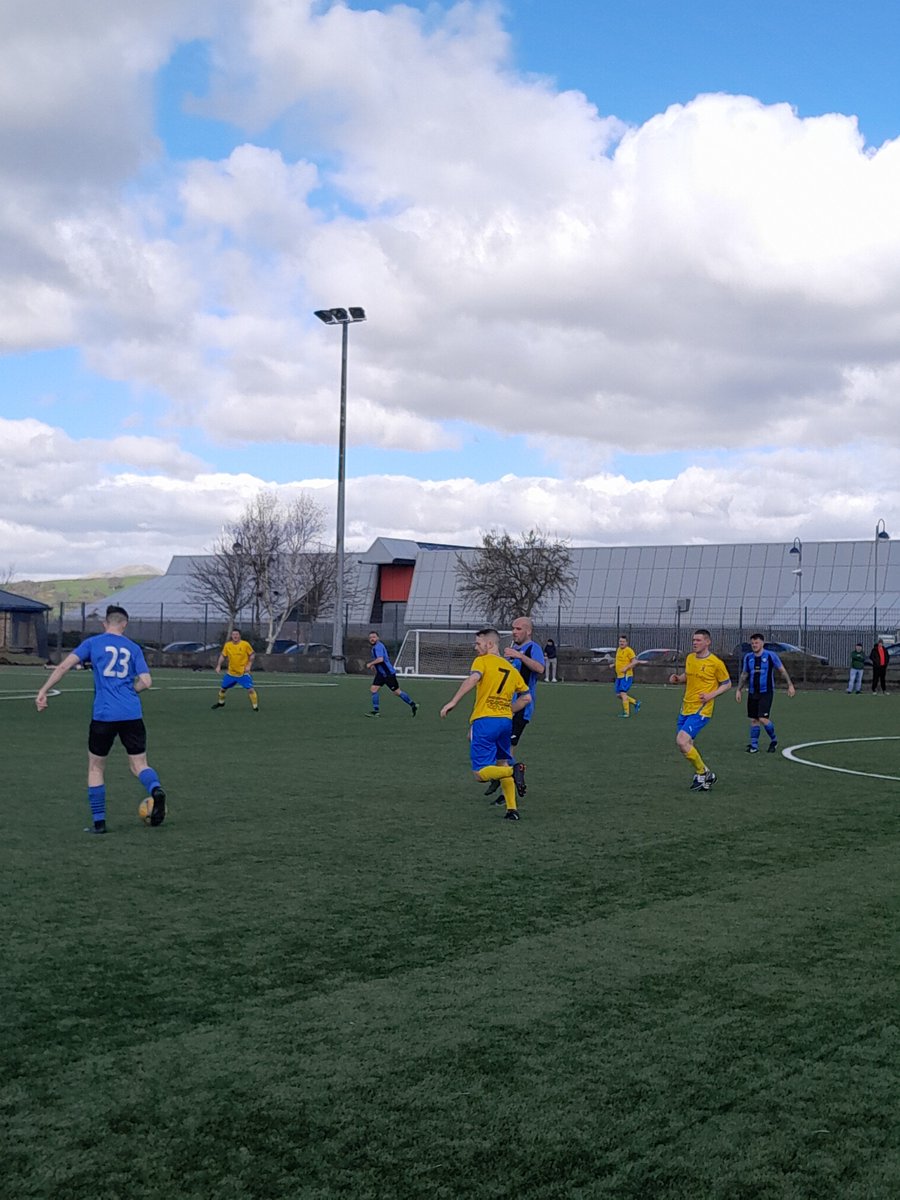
x=879, y=667
x=550, y=655
x=857, y=663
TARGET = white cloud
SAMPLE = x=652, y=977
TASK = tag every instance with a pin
x=721, y=280
x=75, y=504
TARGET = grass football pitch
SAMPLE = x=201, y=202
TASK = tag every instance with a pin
x=336, y=971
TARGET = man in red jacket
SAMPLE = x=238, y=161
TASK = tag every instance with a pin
x=879, y=666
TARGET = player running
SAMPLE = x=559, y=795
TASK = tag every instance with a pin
x=380, y=663
x=120, y=672
x=705, y=677
x=500, y=692
x=237, y=661
x=528, y=659
x=624, y=668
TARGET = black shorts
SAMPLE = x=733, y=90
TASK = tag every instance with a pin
x=389, y=681
x=102, y=734
x=759, y=704
x=518, y=728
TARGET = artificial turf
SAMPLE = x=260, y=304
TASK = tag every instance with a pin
x=335, y=971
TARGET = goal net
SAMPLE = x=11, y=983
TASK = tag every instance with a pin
x=438, y=653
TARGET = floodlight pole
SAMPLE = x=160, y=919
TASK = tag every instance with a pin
x=338, y=664
x=881, y=535
x=797, y=549
x=343, y=317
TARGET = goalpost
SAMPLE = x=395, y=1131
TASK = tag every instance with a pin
x=437, y=653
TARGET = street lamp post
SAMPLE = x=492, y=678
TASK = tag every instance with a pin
x=881, y=535
x=797, y=549
x=345, y=317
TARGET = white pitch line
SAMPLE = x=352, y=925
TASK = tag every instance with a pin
x=26, y=695
x=206, y=687
x=178, y=687
x=789, y=753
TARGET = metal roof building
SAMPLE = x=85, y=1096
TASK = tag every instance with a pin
x=408, y=583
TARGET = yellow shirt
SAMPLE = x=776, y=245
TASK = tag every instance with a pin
x=625, y=656
x=702, y=675
x=499, y=682
x=237, y=656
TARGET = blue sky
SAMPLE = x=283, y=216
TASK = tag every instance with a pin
x=575, y=295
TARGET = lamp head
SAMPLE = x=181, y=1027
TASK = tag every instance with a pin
x=340, y=316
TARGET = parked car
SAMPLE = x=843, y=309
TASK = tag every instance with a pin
x=782, y=648
x=658, y=656
x=309, y=648
x=606, y=655
x=188, y=647
x=289, y=646
x=284, y=646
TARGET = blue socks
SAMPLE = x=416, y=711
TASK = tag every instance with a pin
x=149, y=779
x=754, y=735
x=97, y=798
x=374, y=702
x=406, y=699
x=770, y=730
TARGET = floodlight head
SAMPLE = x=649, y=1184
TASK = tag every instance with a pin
x=340, y=316
x=794, y=550
x=884, y=535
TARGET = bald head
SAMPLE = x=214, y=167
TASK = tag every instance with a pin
x=522, y=629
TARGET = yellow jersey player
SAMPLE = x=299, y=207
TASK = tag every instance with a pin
x=500, y=691
x=624, y=668
x=705, y=677
x=237, y=660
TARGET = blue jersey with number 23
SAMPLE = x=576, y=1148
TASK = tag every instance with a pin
x=116, y=662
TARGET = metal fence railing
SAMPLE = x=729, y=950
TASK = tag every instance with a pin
x=833, y=640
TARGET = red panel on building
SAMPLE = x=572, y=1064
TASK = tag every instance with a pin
x=394, y=583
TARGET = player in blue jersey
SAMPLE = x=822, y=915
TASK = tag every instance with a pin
x=758, y=674
x=384, y=676
x=528, y=658
x=120, y=672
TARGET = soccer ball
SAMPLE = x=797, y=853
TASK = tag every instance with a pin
x=145, y=808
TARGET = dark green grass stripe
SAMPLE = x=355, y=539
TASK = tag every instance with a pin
x=771, y=1040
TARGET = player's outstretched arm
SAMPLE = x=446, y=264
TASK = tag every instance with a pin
x=464, y=688
x=56, y=675
x=791, y=690
x=522, y=700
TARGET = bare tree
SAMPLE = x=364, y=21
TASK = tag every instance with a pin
x=321, y=580
x=224, y=577
x=509, y=577
x=276, y=540
x=7, y=574
x=262, y=559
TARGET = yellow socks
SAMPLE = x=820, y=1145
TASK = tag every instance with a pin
x=501, y=771
x=693, y=757
x=509, y=791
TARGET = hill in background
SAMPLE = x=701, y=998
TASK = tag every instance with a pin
x=76, y=591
